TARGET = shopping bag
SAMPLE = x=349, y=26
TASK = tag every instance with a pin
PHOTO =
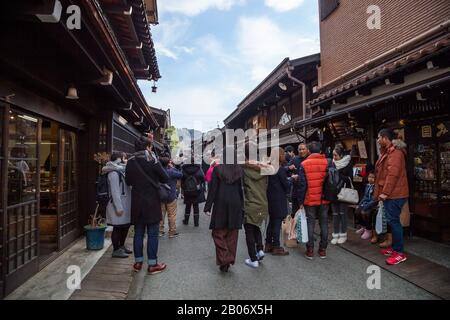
x=293, y=227
x=381, y=220
x=405, y=215
x=286, y=228
x=302, y=226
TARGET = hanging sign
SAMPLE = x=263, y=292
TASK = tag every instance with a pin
x=427, y=132
x=362, y=149
x=442, y=129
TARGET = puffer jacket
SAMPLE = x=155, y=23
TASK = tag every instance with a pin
x=255, y=197
x=315, y=168
x=390, y=170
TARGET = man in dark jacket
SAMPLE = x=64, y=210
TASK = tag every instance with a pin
x=170, y=205
x=143, y=173
x=297, y=178
x=192, y=185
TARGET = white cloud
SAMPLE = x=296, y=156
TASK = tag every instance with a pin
x=169, y=36
x=161, y=49
x=263, y=44
x=195, y=7
x=283, y=5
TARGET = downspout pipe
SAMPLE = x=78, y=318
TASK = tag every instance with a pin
x=291, y=77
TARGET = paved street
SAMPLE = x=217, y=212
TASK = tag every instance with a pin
x=192, y=273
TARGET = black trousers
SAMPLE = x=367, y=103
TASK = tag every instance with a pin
x=253, y=238
x=295, y=206
x=119, y=236
x=187, y=212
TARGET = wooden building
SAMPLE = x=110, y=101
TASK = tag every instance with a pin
x=66, y=95
x=399, y=77
x=279, y=100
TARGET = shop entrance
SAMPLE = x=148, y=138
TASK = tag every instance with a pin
x=39, y=194
x=48, y=217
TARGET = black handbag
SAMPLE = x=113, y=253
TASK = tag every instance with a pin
x=163, y=189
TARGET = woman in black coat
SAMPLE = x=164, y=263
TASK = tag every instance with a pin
x=226, y=195
x=193, y=200
x=277, y=190
x=143, y=173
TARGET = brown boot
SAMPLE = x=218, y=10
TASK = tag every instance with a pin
x=268, y=248
x=374, y=239
x=279, y=251
x=387, y=243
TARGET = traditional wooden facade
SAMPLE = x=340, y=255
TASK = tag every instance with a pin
x=65, y=96
x=278, y=101
x=398, y=77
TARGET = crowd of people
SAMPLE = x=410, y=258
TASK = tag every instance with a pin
x=144, y=190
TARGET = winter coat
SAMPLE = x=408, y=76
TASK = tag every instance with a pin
x=255, y=195
x=390, y=170
x=277, y=191
x=120, y=195
x=145, y=201
x=226, y=199
x=194, y=170
x=368, y=202
x=174, y=176
x=316, y=167
x=345, y=169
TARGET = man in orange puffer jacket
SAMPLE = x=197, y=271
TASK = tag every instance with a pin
x=316, y=169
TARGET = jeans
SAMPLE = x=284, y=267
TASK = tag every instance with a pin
x=393, y=208
x=339, y=210
x=311, y=213
x=187, y=212
x=152, y=242
x=254, y=240
x=274, y=231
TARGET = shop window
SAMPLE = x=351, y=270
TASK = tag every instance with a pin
x=326, y=7
x=22, y=164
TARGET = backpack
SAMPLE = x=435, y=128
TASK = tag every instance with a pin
x=103, y=194
x=332, y=184
x=191, y=186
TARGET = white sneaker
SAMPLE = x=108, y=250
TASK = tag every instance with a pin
x=342, y=238
x=252, y=264
x=260, y=255
x=335, y=238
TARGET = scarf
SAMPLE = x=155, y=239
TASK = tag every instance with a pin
x=340, y=164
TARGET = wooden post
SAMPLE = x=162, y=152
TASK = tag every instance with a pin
x=4, y=191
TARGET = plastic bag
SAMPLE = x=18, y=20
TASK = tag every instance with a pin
x=381, y=221
x=302, y=226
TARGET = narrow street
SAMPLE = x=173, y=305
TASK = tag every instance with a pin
x=192, y=273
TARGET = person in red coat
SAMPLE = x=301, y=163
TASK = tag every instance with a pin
x=315, y=168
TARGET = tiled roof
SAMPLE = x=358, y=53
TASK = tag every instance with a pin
x=386, y=68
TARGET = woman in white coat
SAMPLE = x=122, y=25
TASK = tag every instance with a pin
x=118, y=210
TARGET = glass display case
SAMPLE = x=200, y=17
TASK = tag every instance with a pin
x=425, y=172
x=444, y=154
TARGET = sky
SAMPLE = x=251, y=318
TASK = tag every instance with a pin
x=212, y=53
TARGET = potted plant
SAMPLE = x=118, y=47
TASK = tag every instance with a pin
x=95, y=232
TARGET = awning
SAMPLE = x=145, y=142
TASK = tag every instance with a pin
x=371, y=103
